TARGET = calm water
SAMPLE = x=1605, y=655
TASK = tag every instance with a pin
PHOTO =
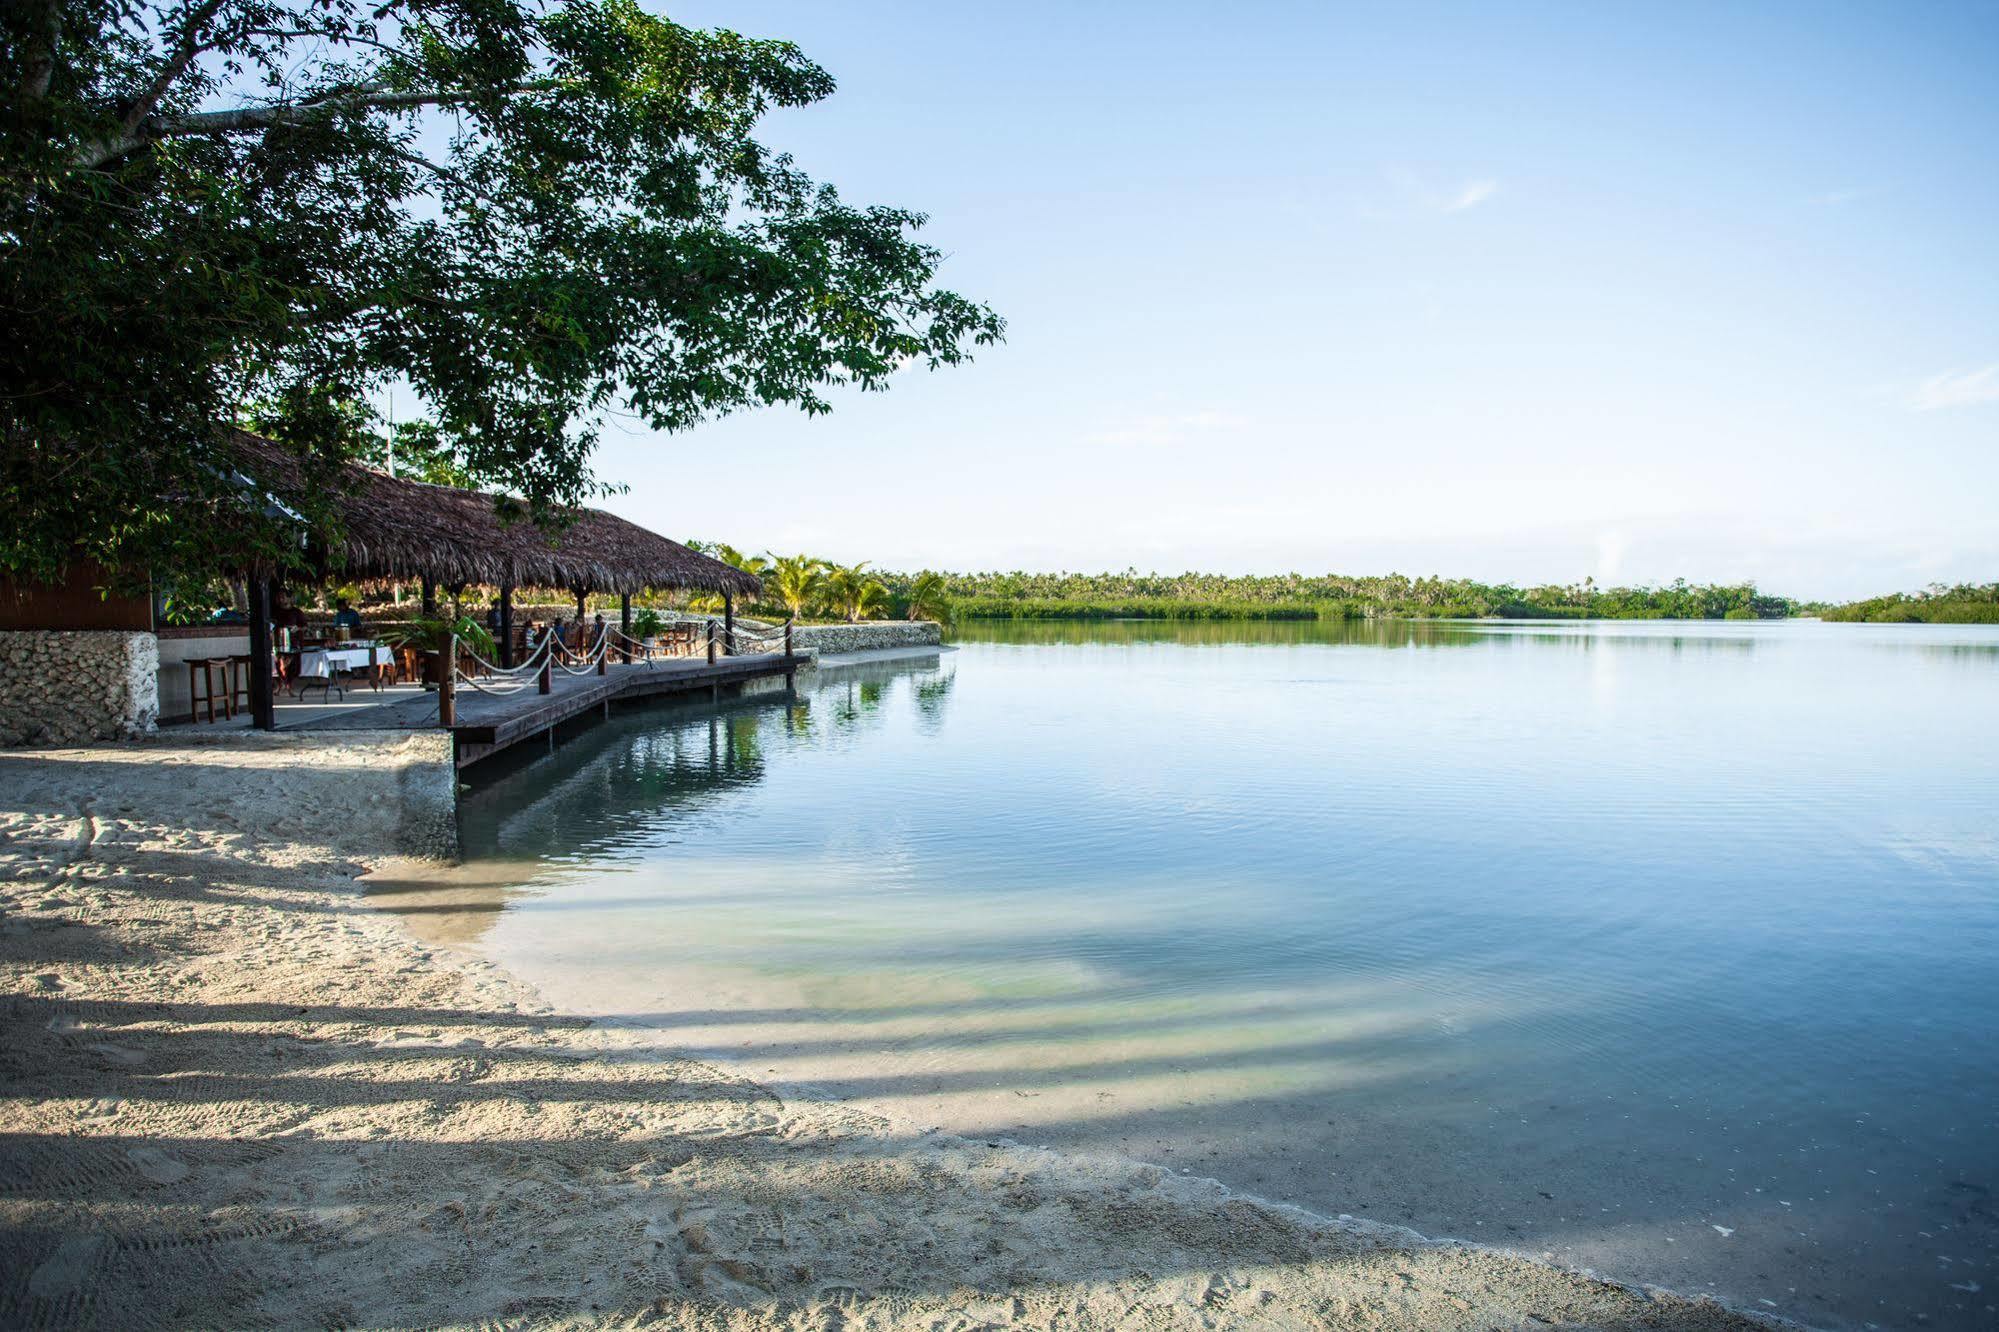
x=1668, y=950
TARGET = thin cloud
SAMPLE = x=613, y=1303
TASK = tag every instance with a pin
x=1474, y=193
x=1965, y=388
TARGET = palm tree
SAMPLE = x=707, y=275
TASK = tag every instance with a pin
x=795, y=580
x=735, y=559
x=870, y=599
x=928, y=599
x=852, y=592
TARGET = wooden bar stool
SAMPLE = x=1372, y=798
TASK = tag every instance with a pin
x=208, y=679
x=239, y=681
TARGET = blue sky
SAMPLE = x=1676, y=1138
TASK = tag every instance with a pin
x=1505, y=291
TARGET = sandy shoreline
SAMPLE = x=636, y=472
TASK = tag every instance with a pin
x=236, y=1095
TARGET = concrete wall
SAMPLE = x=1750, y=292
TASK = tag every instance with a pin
x=180, y=646
x=866, y=636
x=65, y=687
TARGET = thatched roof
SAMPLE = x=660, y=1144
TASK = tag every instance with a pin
x=393, y=528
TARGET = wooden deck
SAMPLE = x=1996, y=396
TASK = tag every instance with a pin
x=489, y=723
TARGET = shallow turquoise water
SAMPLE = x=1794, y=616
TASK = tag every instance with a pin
x=1671, y=950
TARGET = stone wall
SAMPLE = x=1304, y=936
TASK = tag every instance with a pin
x=866, y=636
x=65, y=687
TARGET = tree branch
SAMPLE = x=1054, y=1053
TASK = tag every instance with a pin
x=257, y=119
x=185, y=49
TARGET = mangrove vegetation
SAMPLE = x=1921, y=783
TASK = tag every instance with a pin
x=1965, y=603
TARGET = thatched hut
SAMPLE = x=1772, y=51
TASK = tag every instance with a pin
x=386, y=527
x=390, y=527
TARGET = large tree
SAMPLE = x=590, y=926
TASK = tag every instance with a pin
x=532, y=214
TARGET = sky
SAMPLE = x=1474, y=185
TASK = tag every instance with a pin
x=1515, y=292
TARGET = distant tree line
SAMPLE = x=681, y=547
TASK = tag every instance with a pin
x=1293, y=596
x=1965, y=603
x=805, y=586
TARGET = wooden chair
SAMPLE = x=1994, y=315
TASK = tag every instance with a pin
x=204, y=676
x=239, y=680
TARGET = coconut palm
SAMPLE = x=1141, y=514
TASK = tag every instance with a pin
x=735, y=559
x=865, y=601
x=795, y=580
x=853, y=592
x=928, y=598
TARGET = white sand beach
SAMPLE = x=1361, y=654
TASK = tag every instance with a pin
x=235, y=1095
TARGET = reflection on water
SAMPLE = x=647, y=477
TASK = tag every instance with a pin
x=1601, y=940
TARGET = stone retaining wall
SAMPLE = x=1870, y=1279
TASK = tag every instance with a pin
x=65, y=687
x=866, y=636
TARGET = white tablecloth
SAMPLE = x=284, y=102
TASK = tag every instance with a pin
x=316, y=662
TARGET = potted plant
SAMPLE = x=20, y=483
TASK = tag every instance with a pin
x=431, y=635
x=647, y=624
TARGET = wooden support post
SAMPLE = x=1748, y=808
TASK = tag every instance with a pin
x=607, y=709
x=429, y=599
x=790, y=664
x=506, y=624
x=447, y=684
x=711, y=642
x=625, y=625
x=263, y=695
x=728, y=625
x=544, y=682
x=582, y=611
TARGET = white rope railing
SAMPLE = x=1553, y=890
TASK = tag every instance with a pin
x=491, y=678
x=511, y=679
x=493, y=668
x=585, y=661
x=632, y=644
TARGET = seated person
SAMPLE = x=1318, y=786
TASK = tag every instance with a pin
x=345, y=616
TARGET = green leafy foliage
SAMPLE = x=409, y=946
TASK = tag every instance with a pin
x=798, y=584
x=852, y=592
x=1966, y=603
x=431, y=634
x=1198, y=596
x=927, y=598
x=795, y=582
x=530, y=214
x=192, y=603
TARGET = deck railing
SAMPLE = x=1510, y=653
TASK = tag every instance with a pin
x=551, y=654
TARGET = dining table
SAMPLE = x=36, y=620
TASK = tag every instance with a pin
x=321, y=663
